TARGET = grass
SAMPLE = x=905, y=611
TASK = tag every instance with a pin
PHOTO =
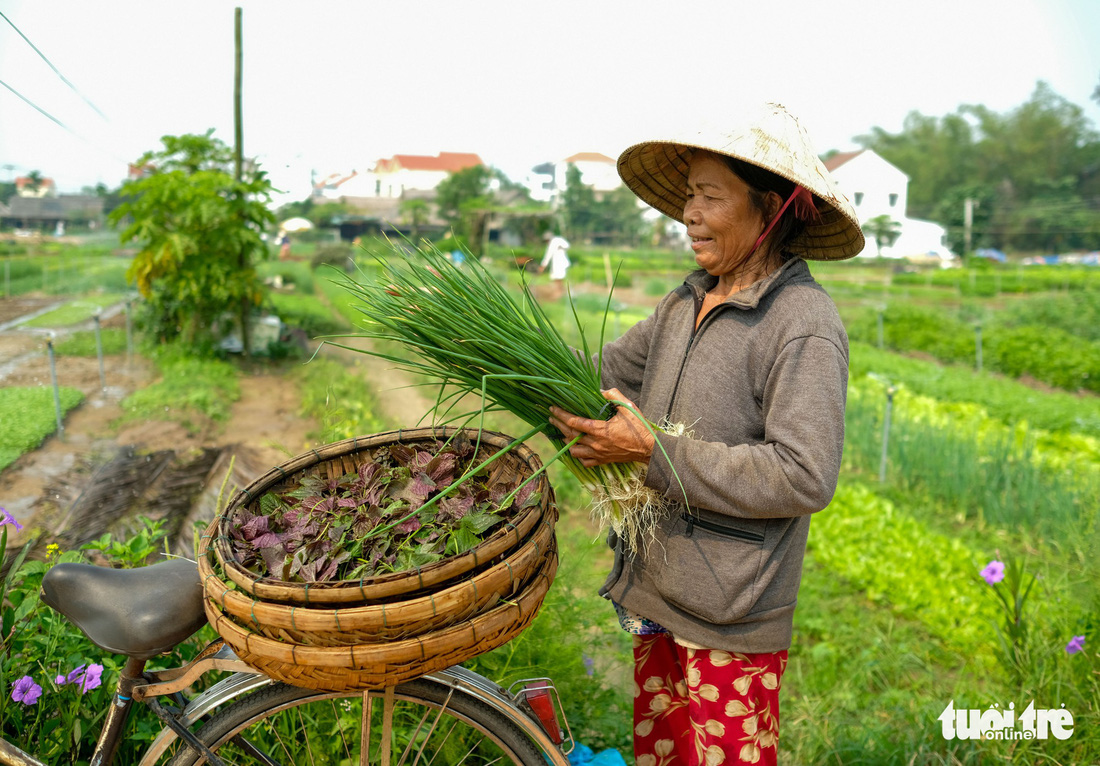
x=83, y=343
x=307, y=312
x=76, y=311
x=29, y=417
x=193, y=391
x=341, y=400
x=64, y=270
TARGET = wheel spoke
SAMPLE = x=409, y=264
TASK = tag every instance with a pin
x=447, y=736
x=438, y=715
x=423, y=723
x=416, y=733
x=248, y=748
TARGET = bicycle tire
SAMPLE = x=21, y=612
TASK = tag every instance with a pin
x=498, y=739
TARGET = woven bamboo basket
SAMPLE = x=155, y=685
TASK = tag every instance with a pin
x=378, y=665
x=336, y=459
x=394, y=620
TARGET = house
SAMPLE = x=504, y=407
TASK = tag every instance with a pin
x=878, y=188
x=25, y=186
x=401, y=172
x=548, y=180
x=52, y=213
x=392, y=176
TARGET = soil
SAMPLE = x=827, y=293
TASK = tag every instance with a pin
x=43, y=486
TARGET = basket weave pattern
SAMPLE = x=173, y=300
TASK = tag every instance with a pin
x=391, y=628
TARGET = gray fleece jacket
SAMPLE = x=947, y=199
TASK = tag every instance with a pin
x=761, y=386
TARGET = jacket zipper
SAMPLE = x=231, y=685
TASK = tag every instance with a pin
x=687, y=351
x=720, y=529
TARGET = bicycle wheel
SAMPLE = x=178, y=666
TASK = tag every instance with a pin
x=421, y=723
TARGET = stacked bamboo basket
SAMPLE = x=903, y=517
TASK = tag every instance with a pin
x=387, y=629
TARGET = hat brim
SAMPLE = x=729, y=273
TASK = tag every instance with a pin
x=657, y=172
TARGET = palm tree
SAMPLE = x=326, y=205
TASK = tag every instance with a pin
x=884, y=230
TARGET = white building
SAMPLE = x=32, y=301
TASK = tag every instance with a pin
x=548, y=180
x=878, y=188
x=393, y=176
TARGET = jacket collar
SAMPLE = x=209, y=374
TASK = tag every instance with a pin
x=792, y=269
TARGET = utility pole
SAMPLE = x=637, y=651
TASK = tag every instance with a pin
x=968, y=222
x=238, y=162
x=238, y=123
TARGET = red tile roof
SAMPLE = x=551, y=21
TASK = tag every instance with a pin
x=448, y=162
x=24, y=181
x=590, y=157
x=840, y=158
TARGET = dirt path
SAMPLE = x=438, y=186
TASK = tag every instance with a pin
x=401, y=403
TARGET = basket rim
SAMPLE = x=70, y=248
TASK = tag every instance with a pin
x=388, y=584
x=369, y=656
x=497, y=579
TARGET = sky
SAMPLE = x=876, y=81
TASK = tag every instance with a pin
x=332, y=85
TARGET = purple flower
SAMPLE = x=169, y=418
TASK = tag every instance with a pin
x=74, y=676
x=589, y=664
x=7, y=518
x=1076, y=644
x=994, y=572
x=25, y=690
x=91, y=678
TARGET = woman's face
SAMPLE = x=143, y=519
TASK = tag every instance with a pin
x=721, y=219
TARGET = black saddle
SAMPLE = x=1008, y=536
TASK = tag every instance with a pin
x=139, y=612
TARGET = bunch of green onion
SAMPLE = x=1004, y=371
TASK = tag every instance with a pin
x=469, y=336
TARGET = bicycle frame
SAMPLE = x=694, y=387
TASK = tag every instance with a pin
x=135, y=685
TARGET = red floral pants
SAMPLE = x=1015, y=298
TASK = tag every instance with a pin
x=704, y=707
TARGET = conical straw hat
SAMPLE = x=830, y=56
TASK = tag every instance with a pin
x=657, y=171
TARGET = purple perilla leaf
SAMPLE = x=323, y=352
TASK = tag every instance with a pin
x=422, y=485
x=267, y=540
x=255, y=527
x=275, y=559
x=455, y=507
x=330, y=570
x=410, y=526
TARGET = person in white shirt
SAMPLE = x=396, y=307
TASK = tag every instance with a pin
x=556, y=258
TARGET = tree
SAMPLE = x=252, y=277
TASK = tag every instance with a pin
x=415, y=212
x=199, y=232
x=464, y=199
x=1035, y=170
x=613, y=216
x=34, y=181
x=884, y=230
x=578, y=204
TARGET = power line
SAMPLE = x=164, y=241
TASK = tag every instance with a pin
x=36, y=106
x=55, y=70
x=53, y=119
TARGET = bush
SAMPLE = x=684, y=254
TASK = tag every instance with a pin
x=337, y=254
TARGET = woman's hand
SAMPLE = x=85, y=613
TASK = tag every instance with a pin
x=622, y=439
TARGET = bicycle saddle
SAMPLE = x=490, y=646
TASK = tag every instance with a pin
x=139, y=612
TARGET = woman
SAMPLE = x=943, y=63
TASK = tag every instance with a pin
x=749, y=354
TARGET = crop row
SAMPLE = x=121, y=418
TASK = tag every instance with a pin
x=955, y=453
x=29, y=417
x=1017, y=279
x=1007, y=400
x=1050, y=355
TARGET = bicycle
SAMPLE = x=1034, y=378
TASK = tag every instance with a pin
x=455, y=715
